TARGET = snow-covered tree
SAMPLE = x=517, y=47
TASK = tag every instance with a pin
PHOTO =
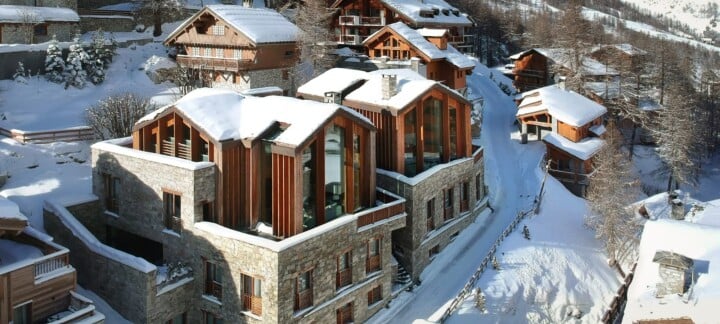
x=74, y=65
x=115, y=116
x=480, y=300
x=612, y=188
x=97, y=57
x=28, y=20
x=20, y=74
x=54, y=64
x=157, y=12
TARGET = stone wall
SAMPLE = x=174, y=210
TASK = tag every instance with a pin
x=107, y=23
x=72, y=4
x=16, y=33
x=414, y=242
x=672, y=281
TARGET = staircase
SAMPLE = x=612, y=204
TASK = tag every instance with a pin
x=401, y=278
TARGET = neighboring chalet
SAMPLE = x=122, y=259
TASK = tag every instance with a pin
x=424, y=153
x=570, y=124
x=37, y=282
x=270, y=200
x=539, y=67
x=620, y=55
x=677, y=275
x=355, y=20
x=440, y=60
x=29, y=24
x=237, y=47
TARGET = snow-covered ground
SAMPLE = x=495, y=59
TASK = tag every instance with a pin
x=689, y=12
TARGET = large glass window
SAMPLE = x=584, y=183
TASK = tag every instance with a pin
x=309, y=187
x=265, y=182
x=453, y=133
x=304, y=290
x=171, y=209
x=410, y=143
x=357, y=176
x=213, y=280
x=334, y=172
x=432, y=133
x=252, y=294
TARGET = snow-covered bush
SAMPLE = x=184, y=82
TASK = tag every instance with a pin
x=97, y=58
x=114, y=117
x=21, y=74
x=54, y=64
x=77, y=58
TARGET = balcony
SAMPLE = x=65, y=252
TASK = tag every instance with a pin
x=391, y=205
x=253, y=304
x=570, y=176
x=50, y=263
x=529, y=73
x=343, y=278
x=362, y=21
x=303, y=299
x=350, y=39
x=214, y=63
x=372, y=264
x=78, y=309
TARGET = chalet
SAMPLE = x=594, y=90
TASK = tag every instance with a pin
x=237, y=47
x=424, y=153
x=270, y=200
x=677, y=275
x=619, y=55
x=355, y=20
x=570, y=125
x=539, y=67
x=440, y=61
x=29, y=24
x=37, y=282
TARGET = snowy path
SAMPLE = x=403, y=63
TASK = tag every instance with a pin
x=510, y=191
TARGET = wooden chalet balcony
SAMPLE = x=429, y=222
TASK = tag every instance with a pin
x=456, y=39
x=183, y=151
x=343, y=278
x=303, y=299
x=167, y=148
x=214, y=63
x=570, y=176
x=391, y=206
x=529, y=73
x=13, y=225
x=362, y=21
x=252, y=303
x=372, y=264
x=350, y=39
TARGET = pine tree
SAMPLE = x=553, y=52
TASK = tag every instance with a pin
x=74, y=72
x=157, y=12
x=495, y=263
x=54, y=64
x=526, y=232
x=480, y=300
x=96, y=58
x=20, y=74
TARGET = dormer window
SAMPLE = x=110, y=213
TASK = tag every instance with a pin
x=456, y=12
x=426, y=14
x=436, y=11
x=446, y=12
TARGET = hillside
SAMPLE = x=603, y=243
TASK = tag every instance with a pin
x=697, y=14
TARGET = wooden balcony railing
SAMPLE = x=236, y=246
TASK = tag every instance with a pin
x=382, y=212
x=343, y=278
x=372, y=264
x=448, y=213
x=183, y=151
x=214, y=63
x=252, y=303
x=167, y=147
x=51, y=263
x=570, y=176
x=529, y=73
x=362, y=21
x=213, y=288
x=303, y=299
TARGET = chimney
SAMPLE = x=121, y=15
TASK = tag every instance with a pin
x=333, y=97
x=389, y=86
x=415, y=64
x=678, y=209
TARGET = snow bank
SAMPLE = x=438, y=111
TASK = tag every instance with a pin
x=92, y=243
x=10, y=210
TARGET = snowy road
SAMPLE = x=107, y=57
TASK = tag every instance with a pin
x=510, y=191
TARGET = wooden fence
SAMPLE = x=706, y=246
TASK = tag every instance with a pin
x=618, y=302
x=63, y=135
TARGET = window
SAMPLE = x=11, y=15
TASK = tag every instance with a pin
x=179, y=319
x=344, y=270
x=410, y=143
x=432, y=133
x=345, y=314
x=237, y=54
x=430, y=211
x=252, y=295
x=208, y=212
x=213, y=280
x=40, y=30
x=208, y=52
x=210, y=318
x=453, y=133
x=334, y=172
x=309, y=161
x=112, y=187
x=195, y=51
x=22, y=314
x=373, y=255
x=464, y=196
x=448, y=203
x=374, y=295
x=171, y=210
x=218, y=30
x=433, y=251
x=219, y=52
x=478, y=186
x=304, y=290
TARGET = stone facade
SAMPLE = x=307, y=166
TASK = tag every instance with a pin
x=17, y=33
x=415, y=245
x=107, y=23
x=236, y=254
x=72, y=4
x=673, y=280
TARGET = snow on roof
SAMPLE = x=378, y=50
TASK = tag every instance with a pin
x=14, y=14
x=582, y=150
x=432, y=32
x=700, y=243
x=417, y=40
x=333, y=80
x=446, y=14
x=605, y=90
x=117, y=146
x=598, y=129
x=13, y=252
x=564, y=57
x=567, y=106
x=10, y=210
x=259, y=25
x=458, y=59
x=707, y=213
x=410, y=86
x=227, y=115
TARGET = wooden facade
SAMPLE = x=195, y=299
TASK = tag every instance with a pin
x=219, y=52
x=531, y=71
x=262, y=181
x=36, y=288
x=390, y=44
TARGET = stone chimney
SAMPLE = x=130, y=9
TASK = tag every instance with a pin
x=677, y=209
x=415, y=64
x=333, y=97
x=389, y=86
x=675, y=272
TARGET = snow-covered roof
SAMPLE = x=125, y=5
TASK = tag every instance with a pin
x=14, y=14
x=259, y=25
x=14, y=252
x=564, y=57
x=582, y=150
x=597, y=129
x=458, y=59
x=224, y=114
x=700, y=212
x=432, y=32
x=701, y=243
x=10, y=210
x=605, y=90
x=564, y=105
x=333, y=80
x=446, y=14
